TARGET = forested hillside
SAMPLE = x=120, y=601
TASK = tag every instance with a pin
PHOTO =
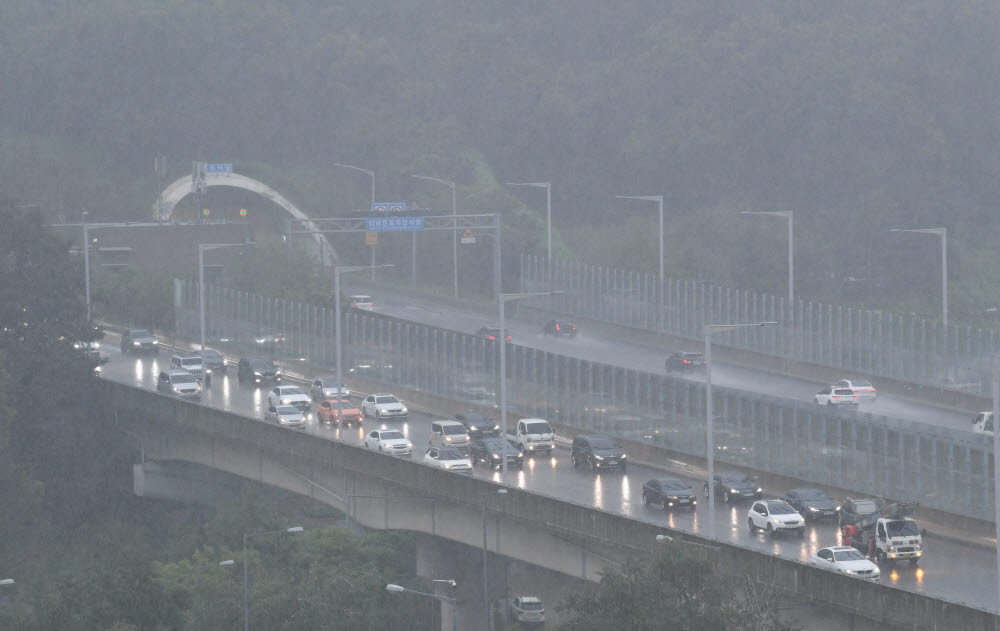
x=858, y=116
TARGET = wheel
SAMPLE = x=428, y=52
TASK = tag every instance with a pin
x=770, y=530
x=380, y=449
x=725, y=496
x=645, y=499
x=572, y=458
x=829, y=404
x=879, y=556
x=753, y=528
x=704, y=490
x=593, y=465
x=624, y=468
x=378, y=416
x=802, y=533
x=366, y=446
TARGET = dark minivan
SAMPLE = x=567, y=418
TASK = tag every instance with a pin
x=257, y=371
x=600, y=452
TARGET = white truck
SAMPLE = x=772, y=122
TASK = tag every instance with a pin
x=887, y=534
x=533, y=435
x=983, y=423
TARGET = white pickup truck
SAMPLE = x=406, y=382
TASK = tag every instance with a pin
x=533, y=435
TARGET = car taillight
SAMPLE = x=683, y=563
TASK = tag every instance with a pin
x=686, y=361
x=557, y=327
x=493, y=337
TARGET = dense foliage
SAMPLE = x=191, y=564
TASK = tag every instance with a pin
x=673, y=589
x=858, y=116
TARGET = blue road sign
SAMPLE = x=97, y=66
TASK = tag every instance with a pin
x=218, y=168
x=394, y=224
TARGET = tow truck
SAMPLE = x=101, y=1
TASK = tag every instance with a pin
x=887, y=534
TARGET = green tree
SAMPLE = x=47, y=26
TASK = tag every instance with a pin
x=673, y=589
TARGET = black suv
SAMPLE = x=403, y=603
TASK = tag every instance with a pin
x=257, y=371
x=477, y=424
x=683, y=361
x=731, y=486
x=600, y=452
x=560, y=327
x=139, y=341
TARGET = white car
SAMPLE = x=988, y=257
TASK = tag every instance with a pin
x=774, y=516
x=325, y=388
x=383, y=406
x=285, y=415
x=289, y=395
x=832, y=395
x=388, y=441
x=362, y=302
x=846, y=560
x=864, y=389
x=449, y=458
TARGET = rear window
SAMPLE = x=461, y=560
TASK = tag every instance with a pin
x=361, y=298
x=844, y=391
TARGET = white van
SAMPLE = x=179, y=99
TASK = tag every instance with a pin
x=449, y=434
x=532, y=436
x=191, y=363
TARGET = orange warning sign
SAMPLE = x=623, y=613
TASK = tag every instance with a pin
x=371, y=238
x=468, y=237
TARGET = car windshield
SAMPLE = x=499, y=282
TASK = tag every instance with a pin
x=386, y=399
x=393, y=435
x=536, y=428
x=450, y=454
x=812, y=494
x=342, y=401
x=183, y=379
x=141, y=333
x=453, y=429
x=602, y=443
x=211, y=355
x=531, y=606
x=668, y=485
x=287, y=409
x=263, y=365
x=475, y=418
x=848, y=555
x=901, y=527
x=191, y=361
x=292, y=390
x=780, y=508
x=734, y=478
x=496, y=444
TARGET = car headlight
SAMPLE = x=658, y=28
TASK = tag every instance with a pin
x=734, y=491
x=136, y=344
x=176, y=389
x=448, y=438
x=813, y=509
x=760, y=490
x=847, y=571
x=447, y=466
x=402, y=410
x=598, y=457
x=624, y=456
x=277, y=373
x=472, y=428
x=257, y=374
x=495, y=456
x=838, y=508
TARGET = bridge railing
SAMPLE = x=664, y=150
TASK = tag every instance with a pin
x=949, y=470
x=907, y=348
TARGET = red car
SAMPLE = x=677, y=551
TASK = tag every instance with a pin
x=329, y=411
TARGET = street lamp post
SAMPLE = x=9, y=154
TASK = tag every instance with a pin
x=337, y=271
x=548, y=214
x=86, y=262
x=659, y=200
x=789, y=215
x=707, y=331
x=371, y=174
x=448, y=599
x=943, y=233
x=246, y=605
x=502, y=299
x=454, y=236
x=486, y=594
x=996, y=461
x=202, y=247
